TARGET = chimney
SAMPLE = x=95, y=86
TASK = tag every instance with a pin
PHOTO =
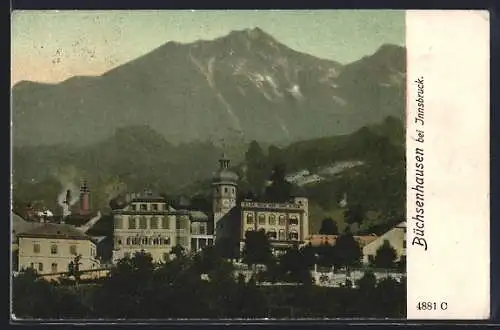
x=84, y=198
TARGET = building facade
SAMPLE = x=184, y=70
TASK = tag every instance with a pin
x=49, y=248
x=285, y=224
x=396, y=237
x=147, y=223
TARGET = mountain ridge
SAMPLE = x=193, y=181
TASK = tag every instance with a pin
x=239, y=87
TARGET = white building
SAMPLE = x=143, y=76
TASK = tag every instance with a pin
x=145, y=222
x=396, y=237
x=49, y=248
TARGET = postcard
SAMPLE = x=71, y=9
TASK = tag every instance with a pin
x=250, y=165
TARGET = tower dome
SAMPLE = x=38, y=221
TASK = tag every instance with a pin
x=224, y=175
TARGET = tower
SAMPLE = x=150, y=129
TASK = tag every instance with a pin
x=224, y=189
x=84, y=198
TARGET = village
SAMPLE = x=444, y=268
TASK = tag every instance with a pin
x=53, y=245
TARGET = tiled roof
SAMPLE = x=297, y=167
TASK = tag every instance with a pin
x=53, y=230
x=20, y=225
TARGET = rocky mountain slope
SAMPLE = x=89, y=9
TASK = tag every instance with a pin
x=240, y=87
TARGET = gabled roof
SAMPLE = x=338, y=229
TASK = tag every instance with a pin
x=20, y=225
x=55, y=230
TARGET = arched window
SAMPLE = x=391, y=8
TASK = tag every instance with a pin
x=144, y=241
x=250, y=218
x=281, y=220
x=262, y=219
x=129, y=241
x=282, y=236
x=272, y=220
x=271, y=234
x=293, y=235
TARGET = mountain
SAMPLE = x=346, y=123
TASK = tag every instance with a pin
x=240, y=87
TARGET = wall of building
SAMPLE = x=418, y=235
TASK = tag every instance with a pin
x=65, y=252
x=396, y=237
x=149, y=227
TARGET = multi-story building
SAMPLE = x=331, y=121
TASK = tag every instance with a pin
x=50, y=248
x=145, y=222
x=285, y=224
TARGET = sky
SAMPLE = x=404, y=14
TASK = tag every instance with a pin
x=52, y=46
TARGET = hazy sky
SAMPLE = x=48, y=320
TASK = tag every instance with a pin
x=51, y=46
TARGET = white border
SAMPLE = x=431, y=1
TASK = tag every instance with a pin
x=450, y=50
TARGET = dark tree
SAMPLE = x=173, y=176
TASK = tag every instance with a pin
x=386, y=256
x=279, y=190
x=368, y=281
x=256, y=166
x=295, y=267
x=354, y=214
x=179, y=251
x=74, y=268
x=348, y=250
x=257, y=249
x=328, y=227
x=327, y=256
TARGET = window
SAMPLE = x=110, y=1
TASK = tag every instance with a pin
x=294, y=221
x=271, y=234
x=32, y=266
x=36, y=248
x=53, y=268
x=203, y=230
x=225, y=190
x=181, y=223
x=40, y=267
x=153, y=222
x=281, y=220
x=134, y=207
x=129, y=241
x=262, y=219
x=72, y=250
x=144, y=207
x=404, y=244
x=272, y=220
x=53, y=249
x=293, y=235
x=165, y=223
x=132, y=223
x=154, y=207
x=282, y=236
x=144, y=241
x=119, y=241
x=143, y=223
x=249, y=218
x=118, y=223
x=156, y=241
